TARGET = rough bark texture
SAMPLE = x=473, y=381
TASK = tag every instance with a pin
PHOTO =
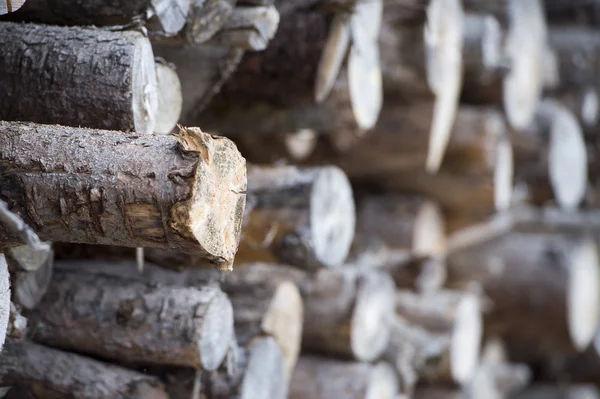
x=49, y=373
x=75, y=76
x=101, y=187
x=164, y=16
x=258, y=373
x=169, y=98
x=4, y=299
x=322, y=378
x=543, y=290
x=300, y=216
x=132, y=321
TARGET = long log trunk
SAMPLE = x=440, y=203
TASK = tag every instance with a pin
x=559, y=172
x=132, y=321
x=543, y=287
x=164, y=16
x=4, y=299
x=322, y=378
x=170, y=99
x=46, y=373
x=78, y=77
x=259, y=373
x=183, y=193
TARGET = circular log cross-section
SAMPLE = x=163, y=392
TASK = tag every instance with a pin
x=170, y=100
x=346, y=313
x=544, y=287
x=30, y=286
x=323, y=378
x=132, y=321
x=166, y=17
x=50, y=373
x=183, y=192
x=301, y=216
x=76, y=76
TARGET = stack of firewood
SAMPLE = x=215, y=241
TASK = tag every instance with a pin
x=170, y=172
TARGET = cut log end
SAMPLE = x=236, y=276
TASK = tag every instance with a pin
x=170, y=15
x=567, y=158
x=503, y=174
x=144, y=87
x=525, y=48
x=170, y=100
x=214, y=217
x=4, y=299
x=369, y=327
x=430, y=232
x=30, y=287
x=332, y=216
x=383, y=382
x=10, y=6
x=590, y=108
x=301, y=144
x=333, y=56
x=284, y=320
x=444, y=43
x=216, y=328
x=467, y=334
x=583, y=293
x=265, y=372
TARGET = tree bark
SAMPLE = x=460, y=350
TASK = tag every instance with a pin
x=170, y=100
x=103, y=187
x=259, y=373
x=132, y=321
x=74, y=76
x=300, y=216
x=321, y=378
x=543, y=289
x=4, y=299
x=164, y=16
x=559, y=172
x=49, y=372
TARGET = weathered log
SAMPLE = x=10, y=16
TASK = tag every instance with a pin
x=47, y=372
x=258, y=373
x=558, y=172
x=524, y=49
x=4, y=299
x=169, y=98
x=438, y=334
x=406, y=225
x=301, y=216
x=30, y=286
x=8, y=6
x=133, y=321
x=166, y=17
x=558, y=391
x=185, y=192
x=76, y=76
x=321, y=378
x=543, y=287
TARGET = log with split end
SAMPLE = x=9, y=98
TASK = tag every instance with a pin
x=184, y=192
x=170, y=100
x=133, y=321
x=75, y=76
x=258, y=373
x=559, y=172
x=300, y=216
x=165, y=17
x=439, y=334
x=543, y=287
x=46, y=372
x=322, y=378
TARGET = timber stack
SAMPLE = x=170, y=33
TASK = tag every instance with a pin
x=306, y=199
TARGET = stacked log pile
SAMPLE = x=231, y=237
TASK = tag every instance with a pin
x=301, y=199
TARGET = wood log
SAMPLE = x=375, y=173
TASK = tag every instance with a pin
x=558, y=391
x=543, y=289
x=47, y=373
x=166, y=17
x=419, y=274
x=259, y=373
x=524, y=48
x=4, y=299
x=30, y=286
x=135, y=192
x=300, y=216
x=320, y=378
x=438, y=335
x=8, y=6
x=75, y=76
x=17, y=324
x=170, y=100
x=133, y=321
x=560, y=173
x=403, y=225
